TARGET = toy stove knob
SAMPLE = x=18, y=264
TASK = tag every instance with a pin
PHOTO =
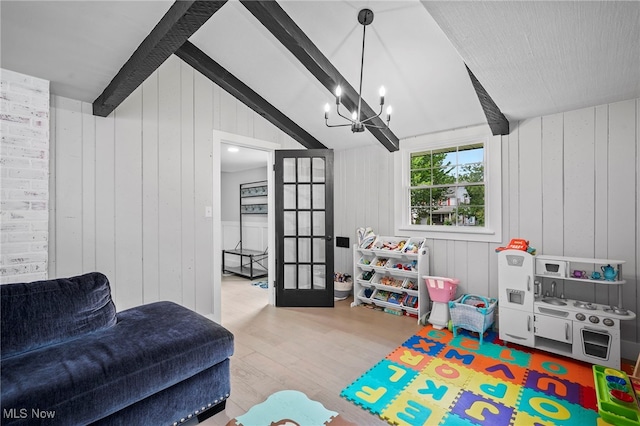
x=580, y=316
x=594, y=319
x=608, y=322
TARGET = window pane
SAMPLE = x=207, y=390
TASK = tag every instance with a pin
x=304, y=276
x=445, y=157
x=304, y=223
x=289, y=277
x=319, y=248
x=304, y=169
x=421, y=177
x=318, y=197
x=471, y=154
x=290, y=250
x=319, y=277
x=289, y=196
x=304, y=250
x=304, y=196
x=289, y=223
x=420, y=197
x=473, y=172
x=421, y=160
x=318, y=169
x=289, y=169
x=444, y=175
x=318, y=224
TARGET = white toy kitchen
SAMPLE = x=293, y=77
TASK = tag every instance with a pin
x=541, y=317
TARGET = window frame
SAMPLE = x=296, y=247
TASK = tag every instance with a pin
x=492, y=231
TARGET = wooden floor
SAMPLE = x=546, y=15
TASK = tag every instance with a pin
x=317, y=351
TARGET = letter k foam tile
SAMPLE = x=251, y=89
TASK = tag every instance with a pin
x=495, y=389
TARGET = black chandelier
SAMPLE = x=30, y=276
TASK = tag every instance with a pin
x=365, y=17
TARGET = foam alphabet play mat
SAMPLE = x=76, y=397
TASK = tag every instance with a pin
x=436, y=379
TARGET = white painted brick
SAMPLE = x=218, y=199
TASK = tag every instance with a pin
x=20, y=163
x=24, y=196
x=27, y=131
x=15, y=226
x=21, y=152
x=40, y=164
x=39, y=184
x=39, y=101
x=28, y=110
x=7, y=206
x=15, y=98
x=25, y=258
x=38, y=267
x=28, y=89
x=27, y=237
x=28, y=215
x=40, y=226
x=43, y=247
x=6, y=139
x=11, y=118
x=8, y=183
x=12, y=248
x=27, y=174
x=28, y=195
x=39, y=205
x=6, y=270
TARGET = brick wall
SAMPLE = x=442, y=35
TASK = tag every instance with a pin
x=24, y=177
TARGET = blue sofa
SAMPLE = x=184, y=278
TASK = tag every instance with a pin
x=68, y=358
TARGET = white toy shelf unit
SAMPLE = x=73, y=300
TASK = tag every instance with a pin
x=388, y=273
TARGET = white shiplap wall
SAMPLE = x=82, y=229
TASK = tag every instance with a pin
x=128, y=192
x=570, y=186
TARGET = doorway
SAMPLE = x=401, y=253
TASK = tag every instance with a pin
x=253, y=161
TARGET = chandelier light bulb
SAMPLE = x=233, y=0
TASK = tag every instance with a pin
x=327, y=108
x=389, y=111
x=338, y=91
x=382, y=91
x=354, y=116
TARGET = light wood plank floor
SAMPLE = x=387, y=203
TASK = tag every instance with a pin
x=317, y=351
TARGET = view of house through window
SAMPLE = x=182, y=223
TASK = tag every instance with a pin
x=448, y=186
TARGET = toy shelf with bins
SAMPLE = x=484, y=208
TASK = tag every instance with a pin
x=388, y=274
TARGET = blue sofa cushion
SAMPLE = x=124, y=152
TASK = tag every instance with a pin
x=42, y=313
x=151, y=348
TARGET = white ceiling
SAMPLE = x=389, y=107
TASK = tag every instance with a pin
x=534, y=58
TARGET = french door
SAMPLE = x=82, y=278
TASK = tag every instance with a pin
x=304, y=227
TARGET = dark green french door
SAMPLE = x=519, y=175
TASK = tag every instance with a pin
x=304, y=227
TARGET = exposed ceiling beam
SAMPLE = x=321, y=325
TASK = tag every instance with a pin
x=497, y=121
x=181, y=20
x=202, y=63
x=276, y=20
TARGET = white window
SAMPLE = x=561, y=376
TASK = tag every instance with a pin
x=450, y=185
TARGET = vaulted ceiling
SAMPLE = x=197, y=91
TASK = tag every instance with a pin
x=533, y=58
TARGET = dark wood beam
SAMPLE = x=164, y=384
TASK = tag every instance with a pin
x=202, y=63
x=180, y=22
x=497, y=121
x=276, y=20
